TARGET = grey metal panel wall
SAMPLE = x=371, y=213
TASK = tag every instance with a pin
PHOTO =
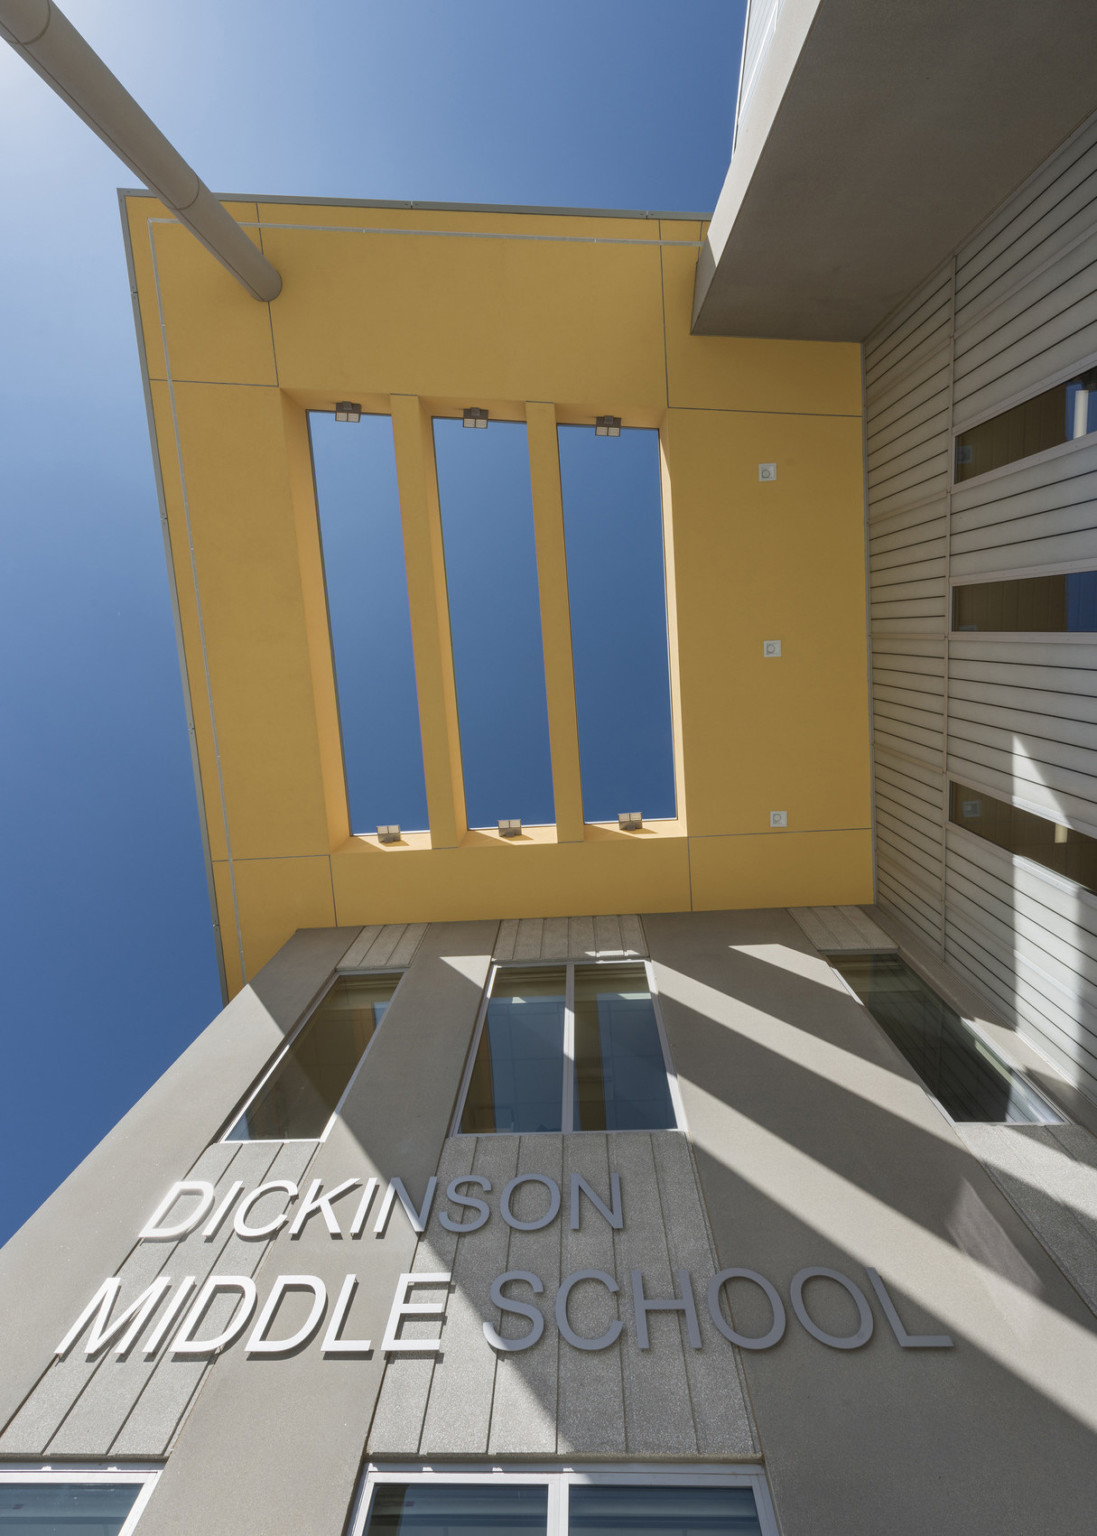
x=1013, y=715
x=908, y=371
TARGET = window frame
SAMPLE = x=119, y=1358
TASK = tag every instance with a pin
x=52, y=1472
x=243, y=1104
x=560, y=1478
x=1057, y=1115
x=568, y=1075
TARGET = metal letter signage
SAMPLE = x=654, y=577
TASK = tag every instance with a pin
x=185, y=1306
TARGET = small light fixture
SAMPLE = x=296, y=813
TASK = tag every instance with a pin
x=630, y=821
x=474, y=416
x=778, y=818
x=607, y=426
x=388, y=834
x=767, y=471
x=771, y=648
x=511, y=828
x=348, y=410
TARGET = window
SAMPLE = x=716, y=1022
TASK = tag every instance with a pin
x=76, y=1502
x=1065, y=604
x=569, y=1048
x=358, y=504
x=613, y=534
x=299, y=1096
x=486, y=505
x=969, y=1080
x=1056, y=415
x=1046, y=842
x=609, y=1502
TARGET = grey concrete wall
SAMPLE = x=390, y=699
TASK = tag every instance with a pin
x=88, y=1227
x=816, y=1145
x=273, y=1448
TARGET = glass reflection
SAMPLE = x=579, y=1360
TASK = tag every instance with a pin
x=961, y=1071
x=1056, y=415
x=1064, y=604
x=441, y=1509
x=74, y=1509
x=1046, y=842
x=620, y=1511
x=517, y=1078
x=620, y=1074
x=299, y=1098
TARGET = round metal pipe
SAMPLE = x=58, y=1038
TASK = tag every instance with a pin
x=53, y=48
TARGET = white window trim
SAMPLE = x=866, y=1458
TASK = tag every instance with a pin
x=245, y=1104
x=1057, y=1117
x=33, y=1474
x=569, y=1045
x=560, y=1479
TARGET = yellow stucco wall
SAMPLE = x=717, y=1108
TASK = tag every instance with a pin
x=542, y=318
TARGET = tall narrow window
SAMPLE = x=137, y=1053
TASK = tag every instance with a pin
x=571, y=1048
x=359, y=508
x=613, y=527
x=495, y=621
x=297, y=1100
x=961, y=1071
x=620, y=1072
x=517, y=1073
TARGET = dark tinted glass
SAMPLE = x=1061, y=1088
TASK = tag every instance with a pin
x=613, y=527
x=1054, y=416
x=299, y=1098
x=495, y=620
x=451, y=1509
x=1032, y=604
x=620, y=1074
x=1046, y=842
x=359, y=509
x=517, y=1080
x=65, y=1509
x=620, y=1511
x=961, y=1072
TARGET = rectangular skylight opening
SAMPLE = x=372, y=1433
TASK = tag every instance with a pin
x=613, y=528
x=358, y=502
x=495, y=621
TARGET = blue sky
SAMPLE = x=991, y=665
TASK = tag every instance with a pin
x=108, y=967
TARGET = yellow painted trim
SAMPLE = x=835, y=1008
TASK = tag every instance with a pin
x=314, y=597
x=676, y=732
x=552, y=586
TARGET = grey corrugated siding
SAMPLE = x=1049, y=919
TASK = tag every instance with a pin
x=1017, y=716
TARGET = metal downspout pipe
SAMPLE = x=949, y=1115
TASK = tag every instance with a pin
x=54, y=49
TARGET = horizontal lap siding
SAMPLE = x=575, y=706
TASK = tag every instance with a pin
x=1014, y=716
x=907, y=375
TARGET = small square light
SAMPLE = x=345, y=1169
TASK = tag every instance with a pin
x=511, y=828
x=475, y=416
x=778, y=818
x=607, y=426
x=388, y=834
x=630, y=821
x=348, y=410
x=771, y=648
x=767, y=471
